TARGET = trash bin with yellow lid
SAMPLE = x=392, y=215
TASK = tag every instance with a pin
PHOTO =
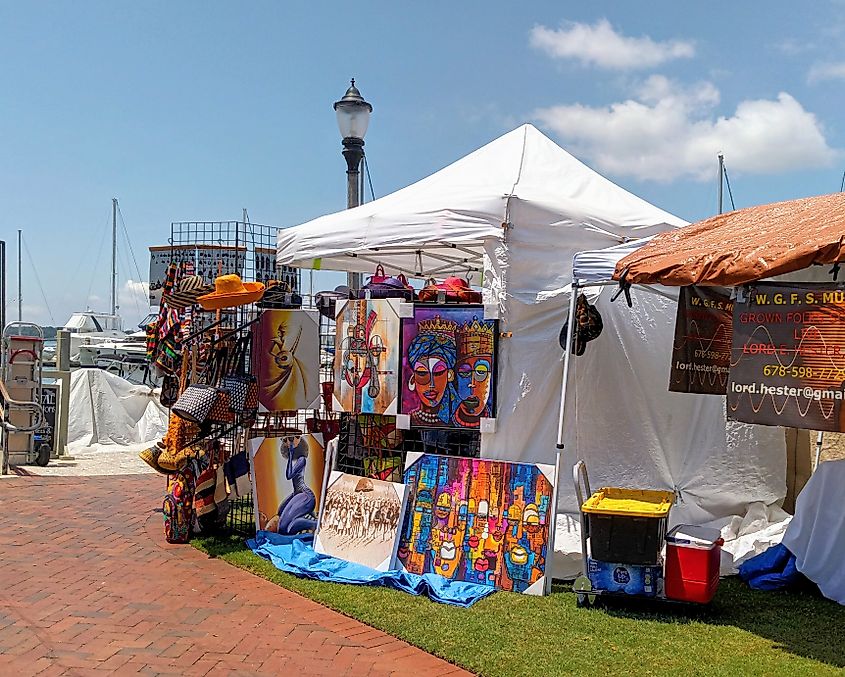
x=627, y=525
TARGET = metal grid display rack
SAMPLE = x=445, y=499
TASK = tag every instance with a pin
x=363, y=447
x=212, y=248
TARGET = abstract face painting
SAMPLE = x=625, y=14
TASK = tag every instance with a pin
x=367, y=357
x=480, y=521
x=448, y=367
x=360, y=520
x=287, y=482
x=286, y=360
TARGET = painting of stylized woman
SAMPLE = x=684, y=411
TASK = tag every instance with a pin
x=448, y=367
x=428, y=370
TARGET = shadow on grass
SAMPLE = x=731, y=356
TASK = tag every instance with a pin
x=219, y=546
x=801, y=622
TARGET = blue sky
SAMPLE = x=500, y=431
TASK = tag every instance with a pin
x=194, y=110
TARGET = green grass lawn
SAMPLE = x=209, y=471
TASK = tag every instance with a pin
x=743, y=632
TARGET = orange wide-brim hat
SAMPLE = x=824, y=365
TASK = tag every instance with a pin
x=230, y=291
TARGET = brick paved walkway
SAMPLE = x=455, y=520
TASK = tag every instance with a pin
x=89, y=586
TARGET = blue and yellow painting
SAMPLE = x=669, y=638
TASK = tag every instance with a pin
x=448, y=367
x=479, y=521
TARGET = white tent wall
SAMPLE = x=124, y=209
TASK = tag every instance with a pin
x=632, y=431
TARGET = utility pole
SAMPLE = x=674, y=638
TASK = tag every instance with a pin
x=114, y=305
x=20, y=292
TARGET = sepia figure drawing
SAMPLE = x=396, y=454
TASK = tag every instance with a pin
x=360, y=520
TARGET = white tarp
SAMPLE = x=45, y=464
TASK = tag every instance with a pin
x=816, y=535
x=108, y=411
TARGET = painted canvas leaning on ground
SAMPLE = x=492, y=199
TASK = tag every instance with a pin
x=360, y=520
x=448, y=367
x=479, y=521
x=287, y=483
x=366, y=366
x=286, y=360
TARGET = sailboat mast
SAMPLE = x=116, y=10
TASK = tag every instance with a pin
x=20, y=292
x=114, y=256
x=721, y=178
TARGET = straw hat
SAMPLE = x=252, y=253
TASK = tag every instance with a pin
x=188, y=291
x=230, y=291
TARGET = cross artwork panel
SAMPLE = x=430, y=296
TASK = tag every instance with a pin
x=287, y=482
x=448, y=367
x=479, y=521
x=360, y=520
x=366, y=366
x=286, y=360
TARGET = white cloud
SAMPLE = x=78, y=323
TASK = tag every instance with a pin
x=826, y=71
x=134, y=301
x=667, y=131
x=794, y=47
x=600, y=45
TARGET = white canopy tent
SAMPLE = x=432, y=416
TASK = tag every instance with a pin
x=519, y=209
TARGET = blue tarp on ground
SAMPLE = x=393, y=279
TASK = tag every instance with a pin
x=296, y=556
x=772, y=569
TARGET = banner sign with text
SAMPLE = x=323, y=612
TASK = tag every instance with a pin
x=207, y=261
x=701, y=352
x=788, y=356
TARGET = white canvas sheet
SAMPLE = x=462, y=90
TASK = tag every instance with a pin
x=816, y=535
x=108, y=411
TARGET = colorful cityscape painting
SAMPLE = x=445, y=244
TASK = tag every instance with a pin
x=480, y=521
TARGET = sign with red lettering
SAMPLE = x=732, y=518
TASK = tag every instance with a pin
x=788, y=356
x=701, y=352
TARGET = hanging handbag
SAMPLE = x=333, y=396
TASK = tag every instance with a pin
x=452, y=289
x=195, y=403
x=169, y=390
x=202, y=402
x=242, y=387
x=326, y=301
x=381, y=286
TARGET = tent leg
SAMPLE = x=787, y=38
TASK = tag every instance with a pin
x=566, y=360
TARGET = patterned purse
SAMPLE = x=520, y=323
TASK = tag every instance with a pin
x=243, y=387
x=195, y=403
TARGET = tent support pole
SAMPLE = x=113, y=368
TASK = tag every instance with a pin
x=567, y=356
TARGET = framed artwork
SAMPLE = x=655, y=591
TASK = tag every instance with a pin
x=360, y=520
x=480, y=521
x=448, y=367
x=288, y=474
x=286, y=360
x=366, y=361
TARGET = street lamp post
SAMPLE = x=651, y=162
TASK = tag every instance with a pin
x=353, y=118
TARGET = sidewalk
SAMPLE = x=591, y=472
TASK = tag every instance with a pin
x=89, y=586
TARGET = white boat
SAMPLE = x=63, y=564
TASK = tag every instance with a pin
x=124, y=355
x=89, y=329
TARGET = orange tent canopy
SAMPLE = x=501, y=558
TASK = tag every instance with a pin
x=744, y=245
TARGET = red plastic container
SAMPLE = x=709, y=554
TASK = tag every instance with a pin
x=692, y=563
